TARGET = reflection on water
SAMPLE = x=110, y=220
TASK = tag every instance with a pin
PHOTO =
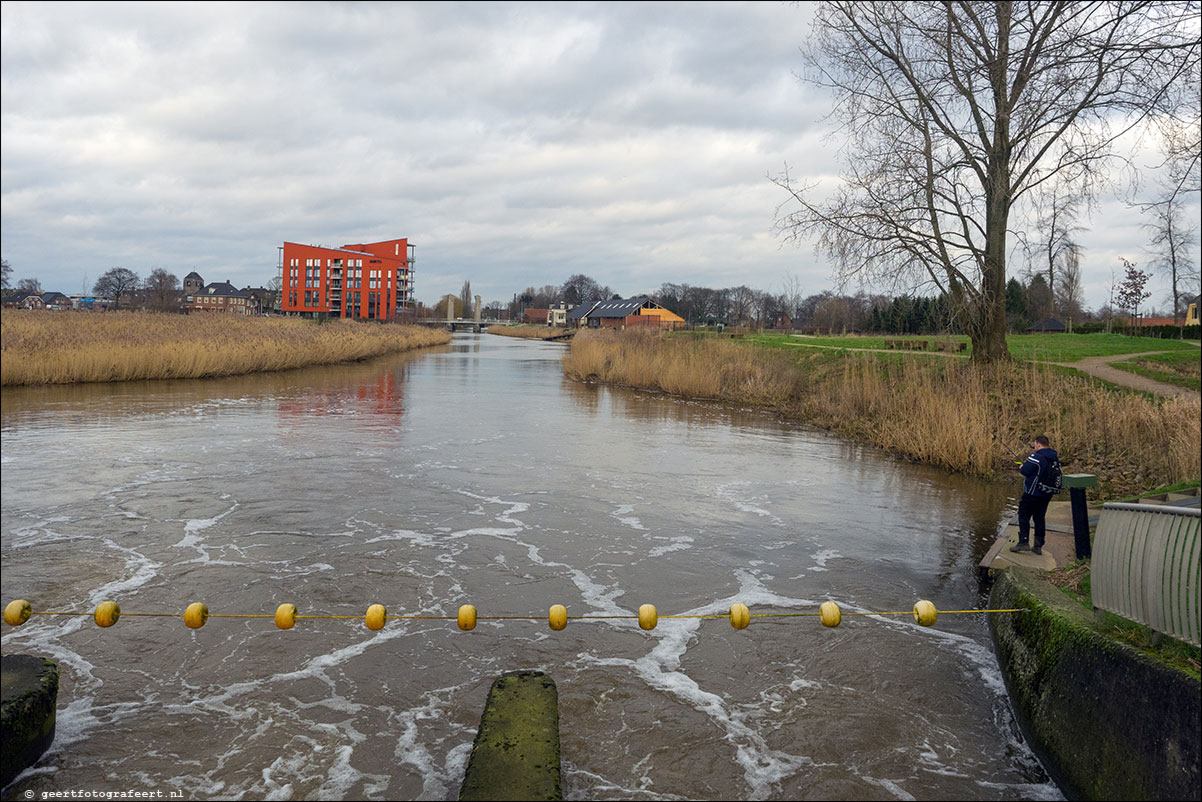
x=475, y=473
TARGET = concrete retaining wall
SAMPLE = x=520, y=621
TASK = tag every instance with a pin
x=28, y=700
x=1108, y=721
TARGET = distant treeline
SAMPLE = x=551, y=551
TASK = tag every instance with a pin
x=1028, y=303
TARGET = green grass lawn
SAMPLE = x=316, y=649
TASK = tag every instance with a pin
x=1071, y=347
x=1038, y=347
x=1180, y=368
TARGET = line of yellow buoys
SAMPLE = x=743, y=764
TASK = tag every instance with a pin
x=195, y=616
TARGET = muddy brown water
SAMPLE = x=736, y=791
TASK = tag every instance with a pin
x=476, y=473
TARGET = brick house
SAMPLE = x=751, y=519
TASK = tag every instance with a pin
x=221, y=296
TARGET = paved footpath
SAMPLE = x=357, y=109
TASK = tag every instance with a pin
x=1100, y=366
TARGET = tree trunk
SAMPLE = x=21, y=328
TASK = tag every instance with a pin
x=989, y=334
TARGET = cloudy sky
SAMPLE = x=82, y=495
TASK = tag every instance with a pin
x=514, y=144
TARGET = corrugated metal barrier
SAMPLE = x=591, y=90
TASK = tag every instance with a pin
x=1146, y=566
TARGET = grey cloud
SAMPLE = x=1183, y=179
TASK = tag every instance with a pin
x=515, y=144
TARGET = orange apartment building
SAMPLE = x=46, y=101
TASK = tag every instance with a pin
x=371, y=281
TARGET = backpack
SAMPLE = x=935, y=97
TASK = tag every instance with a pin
x=1050, y=480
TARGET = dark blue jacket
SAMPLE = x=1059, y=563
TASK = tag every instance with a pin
x=1035, y=464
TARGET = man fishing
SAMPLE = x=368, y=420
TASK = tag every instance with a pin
x=1038, y=475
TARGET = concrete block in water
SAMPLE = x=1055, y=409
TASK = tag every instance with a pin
x=516, y=752
x=28, y=698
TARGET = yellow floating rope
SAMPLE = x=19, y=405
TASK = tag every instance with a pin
x=286, y=615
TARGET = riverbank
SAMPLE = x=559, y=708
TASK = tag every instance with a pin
x=939, y=411
x=530, y=332
x=42, y=347
x=1108, y=720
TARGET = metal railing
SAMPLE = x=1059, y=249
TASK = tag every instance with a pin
x=1146, y=566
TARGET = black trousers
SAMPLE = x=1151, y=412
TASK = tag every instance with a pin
x=1032, y=507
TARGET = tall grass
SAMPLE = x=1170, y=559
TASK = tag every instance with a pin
x=528, y=332
x=42, y=347
x=944, y=412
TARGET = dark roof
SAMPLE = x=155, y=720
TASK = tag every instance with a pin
x=52, y=296
x=582, y=310
x=620, y=308
x=224, y=288
x=1051, y=324
x=194, y=275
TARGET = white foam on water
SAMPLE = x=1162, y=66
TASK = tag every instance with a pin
x=821, y=557
x=980, y=657
x=193, y=527
x=764, y=768
x=750, y=505
x=1045, y=792
x=889, y=785
x=623, y=516
x=40, y=533
x=423, y=539
x=603, y=788
x=411, y=745
x=342, y=777
x=678, y=543
x=930, y=760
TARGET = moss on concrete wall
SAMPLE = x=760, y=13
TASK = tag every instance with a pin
x=29, y=695
x=1108, y=721
x=516, y=752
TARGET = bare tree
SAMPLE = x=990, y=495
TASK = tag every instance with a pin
x=272, y=298
x=791, y=296
x=1072, y=295
x=580, y=289
x=116, y=282
x=6, y=273
x=162, y=290
x=465, y=299
x=1052, y=244
x=29, y=285
x=743, y=304
x=1173, y=238
x=956, y=111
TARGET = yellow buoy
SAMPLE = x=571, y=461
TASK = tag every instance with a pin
x=740, y=616
x=648, y=618
x=925, y=613
x=467, y=617
x=285, y=616
x=558, y=617
x=17, y=612
x=107, y=614
x=830, y=614
x=196, y=615
x=377, y=614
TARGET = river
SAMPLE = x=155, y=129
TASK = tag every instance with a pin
x=477, y=474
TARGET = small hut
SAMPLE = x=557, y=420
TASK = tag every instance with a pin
x=1049, y=326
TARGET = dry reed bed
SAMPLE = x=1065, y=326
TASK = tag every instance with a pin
x=527, y=332
x=939, y=411
x=63, y=347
